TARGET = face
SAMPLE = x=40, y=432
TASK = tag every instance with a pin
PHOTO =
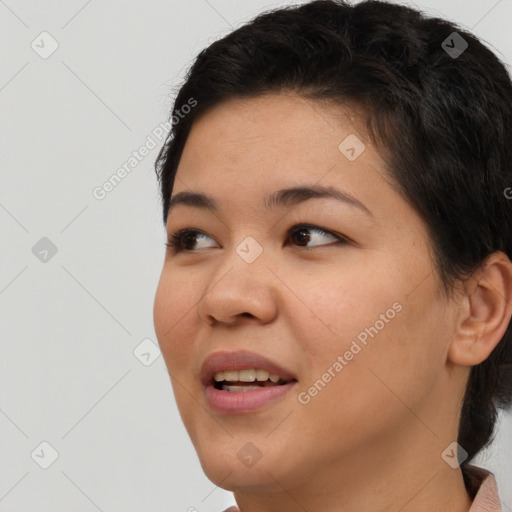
x=340, y=292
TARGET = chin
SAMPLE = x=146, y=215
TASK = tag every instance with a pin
x=239, y=466
x=237, y=477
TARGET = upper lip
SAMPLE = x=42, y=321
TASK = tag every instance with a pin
x=240, y=360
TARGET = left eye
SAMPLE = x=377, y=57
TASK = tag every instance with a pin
x=184, y=239
x=301, y=234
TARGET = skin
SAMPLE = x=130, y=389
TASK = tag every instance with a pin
x=372, y=439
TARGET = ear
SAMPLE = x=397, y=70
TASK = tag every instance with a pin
x=484, y=312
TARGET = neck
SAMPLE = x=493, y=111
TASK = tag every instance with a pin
x=410, y=480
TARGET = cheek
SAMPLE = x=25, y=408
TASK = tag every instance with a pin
x=392, y=343
x=374, y=387
x=175, y=318
x=343, y=303
x=403, y=363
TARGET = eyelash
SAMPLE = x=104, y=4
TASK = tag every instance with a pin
x=174, y=242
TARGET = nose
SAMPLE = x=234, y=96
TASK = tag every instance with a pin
x=240, y=289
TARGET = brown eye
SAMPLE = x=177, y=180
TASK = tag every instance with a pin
x=302, y=237
x=184, y=240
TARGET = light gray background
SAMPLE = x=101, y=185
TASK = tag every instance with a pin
x=69, y=375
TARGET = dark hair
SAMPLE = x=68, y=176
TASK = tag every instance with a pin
x=442, y=122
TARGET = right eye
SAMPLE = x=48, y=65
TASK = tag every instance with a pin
x=181, y=240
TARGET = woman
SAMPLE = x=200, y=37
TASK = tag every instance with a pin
x=335, y=301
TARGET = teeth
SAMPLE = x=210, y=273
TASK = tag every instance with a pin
x=249, y=375
x=262, y=375
x=239, y=389
x=231, y=376
x=218, y=377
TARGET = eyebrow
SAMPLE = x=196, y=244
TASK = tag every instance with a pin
x=284, y=198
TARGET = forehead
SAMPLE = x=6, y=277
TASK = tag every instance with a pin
x=266, y=116
x=242, y=150
x=277, y=135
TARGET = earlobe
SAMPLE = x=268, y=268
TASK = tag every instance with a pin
x=485, y=312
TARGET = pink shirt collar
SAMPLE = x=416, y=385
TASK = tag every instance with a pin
x=482, y=484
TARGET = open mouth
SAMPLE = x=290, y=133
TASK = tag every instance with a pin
x=246, y=380
x=243, y=382
x=240, y=386
x=247, y=390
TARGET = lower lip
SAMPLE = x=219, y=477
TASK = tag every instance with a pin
x=228, y=402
